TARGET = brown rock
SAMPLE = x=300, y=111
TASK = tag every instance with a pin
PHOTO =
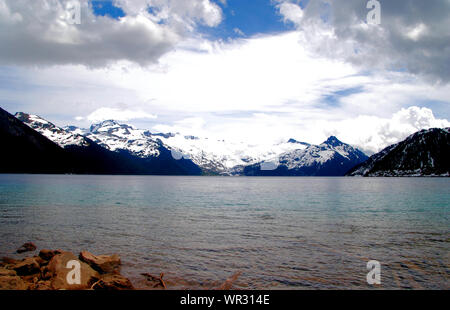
x=113, y=282
x=27, y=247
x=156, y=281
x=28, y=266
x=31, y=278
x=12, y=283
x=42, y=285
x=48, y=254
x=7, y=272
x=8, y=260
x=101, y=263
x=57, y=272
x=40, y=261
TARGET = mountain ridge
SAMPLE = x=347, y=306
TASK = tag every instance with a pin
x=64, y=152
x=330, y=158
x=424, y=153
x=160, y=153
x=212, y=156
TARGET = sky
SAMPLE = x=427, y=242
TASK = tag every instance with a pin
x=262, y=71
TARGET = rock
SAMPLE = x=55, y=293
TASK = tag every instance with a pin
x=156, y=281
x=101, y=263
x=57, y=270
x=48, y=254
x=8, y=260
x=113, y=282
x=31, y=278
x=7, y=272
x=40, y=261
x=27, y=247
x=12, y=283
x=28, y=266
x=42, y=285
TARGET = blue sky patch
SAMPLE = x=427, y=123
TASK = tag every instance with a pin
x=245, y=18
x=106, y=8
x=334, y=98
x=241, y=18
x=439, y=108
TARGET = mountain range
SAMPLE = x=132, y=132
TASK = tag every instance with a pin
x=331, y=158
x=220, y=157
x=36, y=145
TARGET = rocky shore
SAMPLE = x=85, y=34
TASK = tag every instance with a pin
x=62, y=270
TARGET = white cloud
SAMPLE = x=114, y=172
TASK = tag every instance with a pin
x=102, y=114
x=177, y=12
x=417, y=31
x=259, y=74
x=238, y=31
x=291, y=12
x=372, y=133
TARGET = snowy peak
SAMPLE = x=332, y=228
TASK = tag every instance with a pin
x=109, y=134
x=331, y=158
x=331, y=149
x=76, y=130
x=33, y=119
x=226, y=156
x=333, y=141
x=56, y=134
x=111, y=127
x=116, y=137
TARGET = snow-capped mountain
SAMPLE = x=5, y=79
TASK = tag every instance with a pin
x=144, y=144
x=25, y=150
x=112, y=148
x=426, y=152
x=224, y=156
x=108, y=134
x=331, y=158
x=212, y=155
x=54, y=133
x=114, y=136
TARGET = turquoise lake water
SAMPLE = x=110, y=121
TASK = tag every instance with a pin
x=281, y=233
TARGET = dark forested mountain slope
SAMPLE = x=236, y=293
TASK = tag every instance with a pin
x=424, y=153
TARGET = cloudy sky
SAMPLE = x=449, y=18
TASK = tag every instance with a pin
x=257, y=70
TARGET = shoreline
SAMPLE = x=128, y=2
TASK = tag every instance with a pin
x=63, y=270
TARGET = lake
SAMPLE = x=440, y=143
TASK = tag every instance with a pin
x=281, y=233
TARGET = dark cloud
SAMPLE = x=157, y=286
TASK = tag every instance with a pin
x=413, y=35
x=39, y=32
